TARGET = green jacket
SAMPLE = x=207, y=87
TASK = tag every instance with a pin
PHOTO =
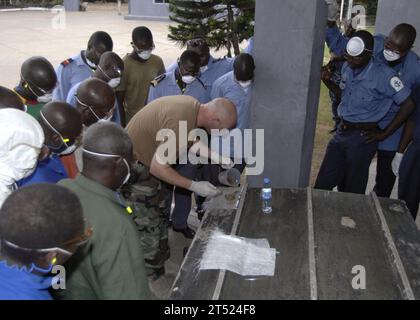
x=111, y=264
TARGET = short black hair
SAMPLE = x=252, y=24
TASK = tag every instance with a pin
x=408, y=31
x=39, y=216
x=367, y=38
x=9, y=99
x=190, y=57
x=101, y=37
x=142, y=34
x=244, y=67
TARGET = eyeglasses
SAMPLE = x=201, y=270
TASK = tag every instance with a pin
x=77, y=241
x=30, y=83
x=63, y=140
x=118, y=71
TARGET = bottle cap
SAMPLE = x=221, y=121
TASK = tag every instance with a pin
x=266, y=181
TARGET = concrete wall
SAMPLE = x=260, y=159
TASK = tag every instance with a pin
x=147, y=9
x=392, y=12
x=289, y=48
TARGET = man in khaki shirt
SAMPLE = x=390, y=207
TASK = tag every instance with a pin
x=141, y=67
x=169, y=113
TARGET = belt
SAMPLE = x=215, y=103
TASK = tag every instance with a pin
x=345, y=125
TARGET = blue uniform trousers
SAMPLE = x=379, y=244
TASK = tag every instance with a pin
x=409, y=184
x=346, y=163
x=385, y=178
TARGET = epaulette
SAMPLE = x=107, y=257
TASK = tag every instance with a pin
x=66, y=62
x=157, y=80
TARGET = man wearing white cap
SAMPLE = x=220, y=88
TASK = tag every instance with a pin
x=367, y=91
x=21, y=140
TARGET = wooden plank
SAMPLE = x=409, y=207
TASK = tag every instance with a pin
x=406, y=237
x=286, y=230
x=340, y=248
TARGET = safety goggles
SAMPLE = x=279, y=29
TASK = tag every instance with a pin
x=117, y=71
x=31, y=84
x=107, y=116
x=77, y=241
x=138, y=50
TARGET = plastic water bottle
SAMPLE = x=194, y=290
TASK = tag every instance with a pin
x=266, y=196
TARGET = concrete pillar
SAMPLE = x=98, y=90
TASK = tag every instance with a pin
x=391, y=12
x=72, y=5
x=289, y=50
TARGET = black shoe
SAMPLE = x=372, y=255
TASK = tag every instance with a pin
x=187, y=232
x=334, y=130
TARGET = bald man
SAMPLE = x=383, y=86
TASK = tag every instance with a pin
x=62, y=126
x=9, y=99
x=167, y=113
x=110, y=70
x=37, y=81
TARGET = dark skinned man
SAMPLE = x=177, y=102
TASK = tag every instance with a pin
x=9, y=99
x=395, y=51
x=183, y=80
x=211, y=68
x=80, y=67
x=110, y=70
x=409, y=169
x=111, y=266
x=367, y=91
x=141, y=67
x=40, y=226
x=37, y=81
x=62, y=126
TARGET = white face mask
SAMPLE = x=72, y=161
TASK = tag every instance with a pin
x=188, y=79
x=245, y=84
x=204, y=69
x=68, y=151
x=145, y=55
x=391, y=56
x=45, y=98
x=127, y=177
x=113, y=83
x=90, y=63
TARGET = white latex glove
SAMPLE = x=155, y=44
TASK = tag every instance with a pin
x=227, y=163
x=204, y=189
x=396, y=163
x=332, y=10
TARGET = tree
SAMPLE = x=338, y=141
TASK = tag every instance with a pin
x=223, y=23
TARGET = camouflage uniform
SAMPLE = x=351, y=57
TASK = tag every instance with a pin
x=145, y=198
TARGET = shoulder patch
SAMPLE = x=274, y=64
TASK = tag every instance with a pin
x=66, y=62
x=397, y=84
x=157, y=80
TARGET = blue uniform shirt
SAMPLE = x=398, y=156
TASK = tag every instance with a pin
x=166, y=85
x=336, y=41
x=71, y=99
x=20, y=284
x=416, y=117
x=50, y=170
x=227, y=87
x=368, y=96
x=409, y=72
x=69, y=73
x=216, y=69
x=250, y=47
